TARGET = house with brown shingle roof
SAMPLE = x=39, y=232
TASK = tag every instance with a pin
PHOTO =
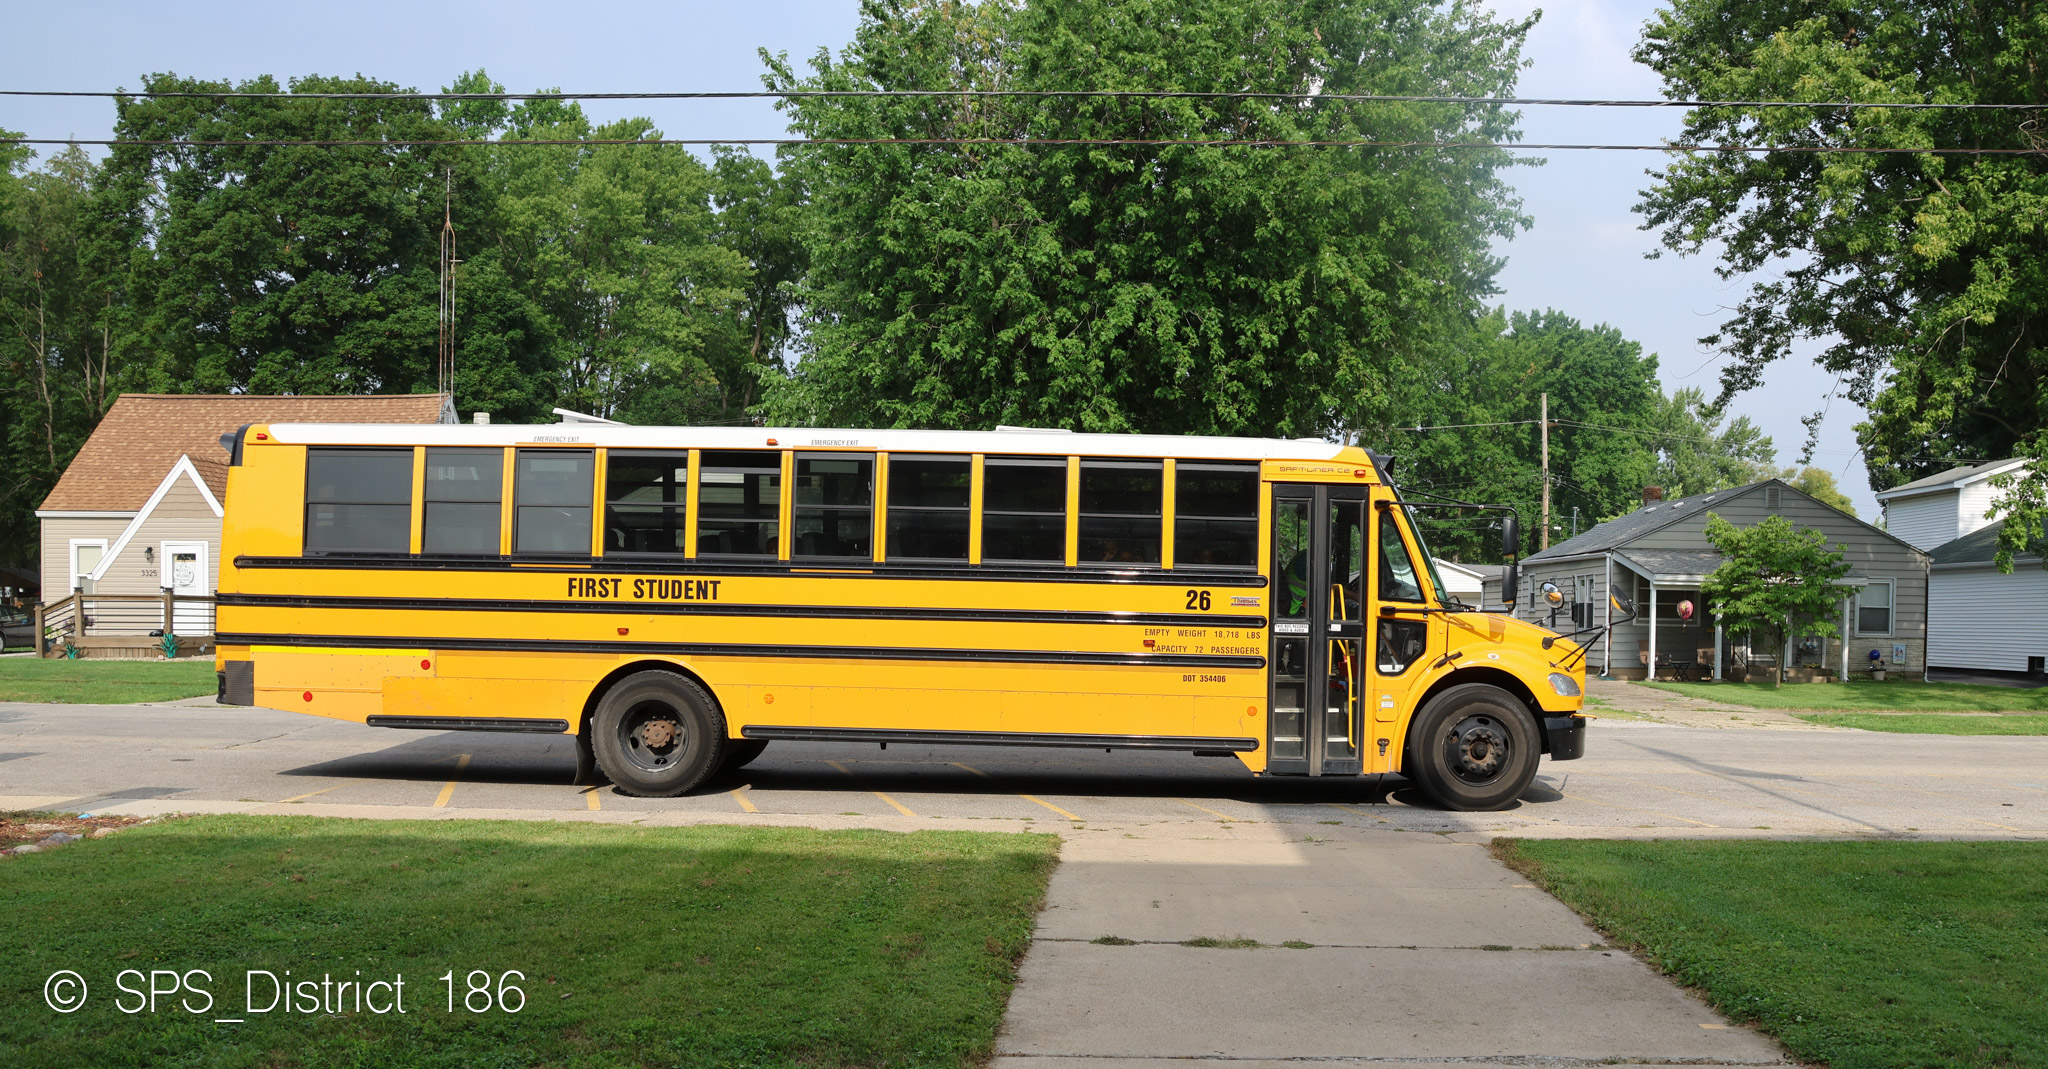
x=139, y=509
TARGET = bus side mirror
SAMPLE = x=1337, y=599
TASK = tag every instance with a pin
x=1623, y=604
x=1511, y=582
x=1511, y=537
x=1552, y=594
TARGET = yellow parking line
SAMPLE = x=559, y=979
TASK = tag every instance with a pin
x=590, y=799
x=1049, y=805
x=1988, y=824
x=739, y=794
x=448, y=789
x=972, y=769
x=323, y=790
x=1352, y=809
x=1637, y=809
x=893, y=803
x=899, y=806
x=1226, y=818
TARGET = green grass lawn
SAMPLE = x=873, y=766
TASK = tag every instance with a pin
x=1905, y=696
x=1935, y=723
x=1855, y=954
x=87, y=682
x=710, y=946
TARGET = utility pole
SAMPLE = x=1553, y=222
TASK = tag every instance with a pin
x=1543, y=539
x=444, y=359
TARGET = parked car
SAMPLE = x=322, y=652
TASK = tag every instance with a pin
x=17, y=631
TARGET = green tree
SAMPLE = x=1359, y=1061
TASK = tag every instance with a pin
x=1156, y=288
x=276, y=268
x=57, y=372
x=1926, y=275
x=1700, y=450
x=614, y=250
x=1772, y=573
x=1476, y=397
x=1819, y=484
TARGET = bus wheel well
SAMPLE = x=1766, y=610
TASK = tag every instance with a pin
x=1496, y=677
x=612, y=678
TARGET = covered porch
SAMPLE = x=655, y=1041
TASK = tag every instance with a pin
x=1677, y=636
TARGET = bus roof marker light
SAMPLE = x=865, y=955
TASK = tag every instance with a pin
x=771, y=441
x=624, y=630
x=261, y=437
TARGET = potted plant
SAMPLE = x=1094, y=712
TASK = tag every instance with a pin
x=1877, y=666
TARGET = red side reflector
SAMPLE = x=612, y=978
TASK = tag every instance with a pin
x=426, y=664
x=308, y=695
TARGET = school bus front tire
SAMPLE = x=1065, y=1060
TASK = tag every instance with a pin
x=1474, y=747
x=658, y=734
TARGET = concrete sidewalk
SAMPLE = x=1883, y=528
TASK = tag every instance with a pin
x=1421, y=949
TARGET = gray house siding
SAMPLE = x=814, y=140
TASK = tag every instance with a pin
x=1871, y=554
x=1973, y=621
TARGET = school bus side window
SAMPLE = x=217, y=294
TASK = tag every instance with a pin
x=739, y=503
x=928, y=504
x=646, y=498
x=1024, y=509
x=551, y=501
x=463, y=488
x=358, y=501
x=835, y=505
x=1215, y=515
x=1122, y=502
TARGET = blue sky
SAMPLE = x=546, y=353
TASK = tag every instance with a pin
x=1583, y=257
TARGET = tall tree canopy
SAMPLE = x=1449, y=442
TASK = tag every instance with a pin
x=276, y=268
x=1926, y=274
x=1464, y=424
x=1155, y=288
x=56, y=309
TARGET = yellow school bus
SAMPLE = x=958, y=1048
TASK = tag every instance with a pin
x=677, y=598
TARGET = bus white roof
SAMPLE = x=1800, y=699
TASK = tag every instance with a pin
x=1025, y=441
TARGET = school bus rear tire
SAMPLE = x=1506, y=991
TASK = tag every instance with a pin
x=1473, y=747
x=658, y=734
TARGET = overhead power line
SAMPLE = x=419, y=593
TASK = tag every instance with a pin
x=1032, y=142
x=1108, y=94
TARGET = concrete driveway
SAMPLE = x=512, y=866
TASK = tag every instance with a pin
x=1637, y=779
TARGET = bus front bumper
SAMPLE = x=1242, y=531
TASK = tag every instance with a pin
x=1566, y=736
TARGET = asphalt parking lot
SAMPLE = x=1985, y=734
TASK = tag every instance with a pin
x=1638, y=779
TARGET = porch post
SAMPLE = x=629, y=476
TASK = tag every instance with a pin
x=1717, y=647
x=36, y=636
x=1607, y=637
x=1845, y=639
x=169, y=612
x=1650, y=669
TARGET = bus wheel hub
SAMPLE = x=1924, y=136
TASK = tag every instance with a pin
x=1478, y=745
x=658, y=733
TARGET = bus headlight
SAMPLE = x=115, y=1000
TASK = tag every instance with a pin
x=1564, y=685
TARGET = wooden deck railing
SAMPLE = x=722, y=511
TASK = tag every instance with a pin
x=68, y=622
